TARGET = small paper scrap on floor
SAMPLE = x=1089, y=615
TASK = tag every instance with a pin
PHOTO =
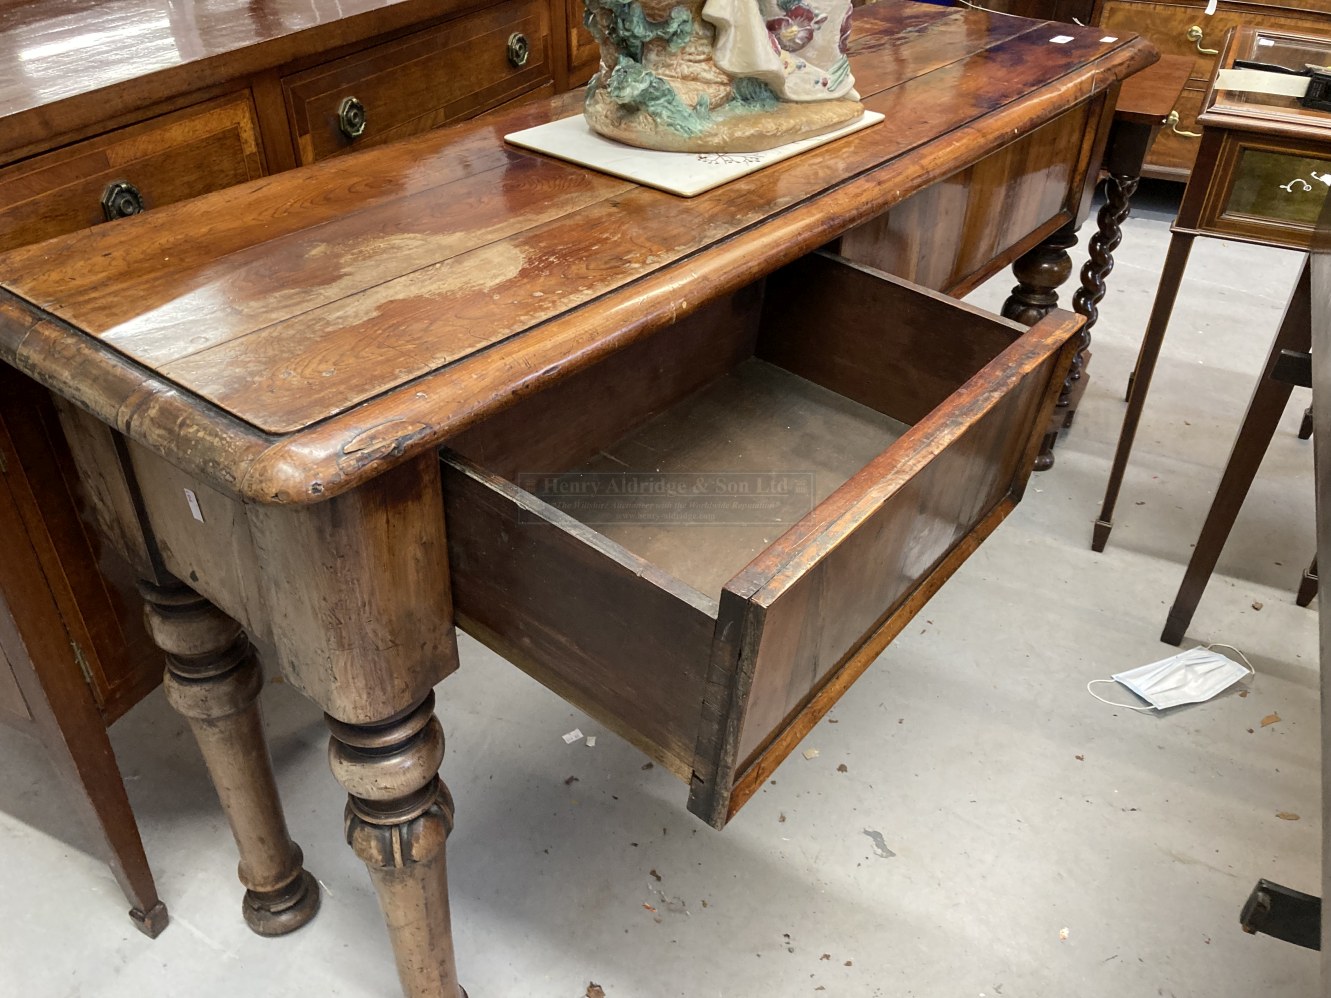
x=811, y=753
x=1063, y=933
x=1270, y=719
x=572, y=736
x=591, y=741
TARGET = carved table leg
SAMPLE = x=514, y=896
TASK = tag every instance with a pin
x=213, y=679
x=1119, y=189
x=398, y=816
x=1039, y=274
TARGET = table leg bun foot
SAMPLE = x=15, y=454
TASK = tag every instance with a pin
x=1100, y=535
x=213, y=679
x=150, y=922
x=279, y=912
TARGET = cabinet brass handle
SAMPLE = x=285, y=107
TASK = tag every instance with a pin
x=351, y=118
x=1173, y=120
x=1195, y=36
x=120, y=200
x=518, y=50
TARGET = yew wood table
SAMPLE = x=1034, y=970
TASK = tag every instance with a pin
x=256, y=402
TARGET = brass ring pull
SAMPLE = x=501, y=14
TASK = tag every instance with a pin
x=120, y=200
x=518, y=50
x=1195, y=36
x=351, y=118
x=1173, y=120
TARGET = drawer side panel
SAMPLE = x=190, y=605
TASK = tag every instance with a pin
x=584, y=617
x=858, y=565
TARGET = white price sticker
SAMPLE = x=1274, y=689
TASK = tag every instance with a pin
x=193, y=502
x=1060, y=39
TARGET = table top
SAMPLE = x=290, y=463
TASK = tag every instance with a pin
x=292, y=337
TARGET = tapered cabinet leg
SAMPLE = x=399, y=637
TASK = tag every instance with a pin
x=1176, y=261
x=213, y=679
x=398, y=817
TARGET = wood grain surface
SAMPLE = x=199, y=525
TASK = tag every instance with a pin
x=366, y=309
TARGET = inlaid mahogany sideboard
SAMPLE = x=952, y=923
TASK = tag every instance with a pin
x=255, y=404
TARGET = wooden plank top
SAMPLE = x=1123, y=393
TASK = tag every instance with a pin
x=73, y=63
x=291, y=337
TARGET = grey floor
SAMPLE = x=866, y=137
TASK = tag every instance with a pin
x=996, y=833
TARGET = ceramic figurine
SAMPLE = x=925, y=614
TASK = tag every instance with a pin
x=720, y=75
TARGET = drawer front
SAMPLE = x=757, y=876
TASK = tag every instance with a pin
x=1173, y=152
x=1167, y=26
x=177, y=156
x=626, y=582
x=419, y=82
x=1271, y=190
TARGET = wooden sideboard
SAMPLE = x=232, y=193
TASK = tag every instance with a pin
x=1181, y=27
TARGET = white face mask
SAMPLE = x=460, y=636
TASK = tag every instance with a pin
x=1192, y=676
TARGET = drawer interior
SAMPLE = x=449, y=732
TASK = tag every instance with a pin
x=694, y=539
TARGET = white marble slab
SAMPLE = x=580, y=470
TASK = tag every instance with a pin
x=682, y=173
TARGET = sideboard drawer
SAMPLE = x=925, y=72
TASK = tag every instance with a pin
x=412, y=84
x=170, y=158
x=717, y=529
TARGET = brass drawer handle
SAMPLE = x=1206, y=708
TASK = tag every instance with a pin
x=351, y=118
x=518, y=50
x=1195, y=36
x=1173, y=120
x=120, y=200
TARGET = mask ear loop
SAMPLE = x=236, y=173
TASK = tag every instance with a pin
x=1248, y=665
x=1125, y=706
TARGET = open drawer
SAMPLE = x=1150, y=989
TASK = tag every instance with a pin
x=704, y=539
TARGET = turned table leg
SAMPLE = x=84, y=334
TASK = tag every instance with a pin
x=1040, y=273
x=213, y=679
x=1119, y=189
x=398, y=817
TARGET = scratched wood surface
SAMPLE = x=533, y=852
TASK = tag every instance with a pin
x=365, y=309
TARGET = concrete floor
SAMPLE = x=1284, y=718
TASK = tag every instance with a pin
x=1011, y=806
